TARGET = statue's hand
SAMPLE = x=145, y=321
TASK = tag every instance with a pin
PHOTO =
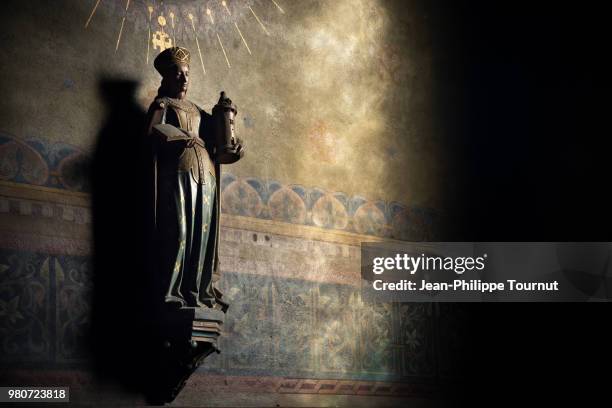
x=238, y=147
x=231, y=153
x=192, y=138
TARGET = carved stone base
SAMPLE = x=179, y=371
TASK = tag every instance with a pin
x=187, y=336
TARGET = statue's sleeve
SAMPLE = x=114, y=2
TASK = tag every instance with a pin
x=207, y=134
x=155, y=115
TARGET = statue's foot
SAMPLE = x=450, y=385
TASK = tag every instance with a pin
x=174, y=301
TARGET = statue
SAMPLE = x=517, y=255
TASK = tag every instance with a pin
x=188, y=148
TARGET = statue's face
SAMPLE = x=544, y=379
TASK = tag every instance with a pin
x=177, y=81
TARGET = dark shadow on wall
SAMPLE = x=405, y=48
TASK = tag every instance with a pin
x=137, y=342
x=120, y=327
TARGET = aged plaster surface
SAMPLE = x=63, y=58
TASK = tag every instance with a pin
x=333, y=102
x=332, y=94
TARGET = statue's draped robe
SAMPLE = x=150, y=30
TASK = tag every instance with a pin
x=186, y=209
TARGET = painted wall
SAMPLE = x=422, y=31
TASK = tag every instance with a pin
x=333, y=94
x=334, y=104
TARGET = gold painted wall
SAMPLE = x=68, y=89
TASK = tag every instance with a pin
x=333, y=94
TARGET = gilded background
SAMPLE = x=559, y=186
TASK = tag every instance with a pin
x=333, y=94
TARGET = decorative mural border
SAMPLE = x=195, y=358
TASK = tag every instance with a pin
x=81, y=380
x=314, y=330
x=37, y=162
x=61, y=166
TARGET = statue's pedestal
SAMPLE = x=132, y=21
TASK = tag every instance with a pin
x=206, y=326
x=188, y=336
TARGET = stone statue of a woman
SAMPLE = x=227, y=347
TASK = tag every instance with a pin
x=186, y=189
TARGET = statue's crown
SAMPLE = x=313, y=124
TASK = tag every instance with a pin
x=170, y=57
